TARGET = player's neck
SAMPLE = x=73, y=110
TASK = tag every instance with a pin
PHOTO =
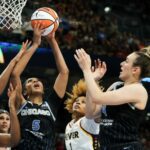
x=77, y=116
x=36, y=99
x=131, y=81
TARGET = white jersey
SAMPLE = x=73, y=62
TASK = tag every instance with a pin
x=82, y=135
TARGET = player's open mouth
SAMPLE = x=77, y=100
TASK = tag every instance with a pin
x=36, y=85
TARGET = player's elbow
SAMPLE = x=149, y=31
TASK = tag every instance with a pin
x=96, y=100
x=14, y=141
x=65, y=71
x=96, y=97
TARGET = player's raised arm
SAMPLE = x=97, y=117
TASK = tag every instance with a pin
x=11, y=139
x=20, y=66
x=28, y=54
x=4, y=139
x=62, y=78
x=93, y=110
x=15, y=126
x=5, y=75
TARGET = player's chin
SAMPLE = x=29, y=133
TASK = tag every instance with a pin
x=120, y=75
x=4, y=130
x=76, y=110
x=38, y=91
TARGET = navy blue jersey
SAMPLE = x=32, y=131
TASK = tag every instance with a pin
x=37, y=123
x=120, y=123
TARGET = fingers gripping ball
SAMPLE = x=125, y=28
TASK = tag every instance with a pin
x=47, y=17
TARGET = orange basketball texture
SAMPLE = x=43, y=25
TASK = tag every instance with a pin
x=47, y=17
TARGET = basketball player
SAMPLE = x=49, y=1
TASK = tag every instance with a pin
x=37, y=116
x=126, y=106
x=81, y=132
x=8, y=140
x=9, y=135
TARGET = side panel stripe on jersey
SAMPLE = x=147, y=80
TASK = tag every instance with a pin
x=22, y=107
x=50, y=111
x=87, y=133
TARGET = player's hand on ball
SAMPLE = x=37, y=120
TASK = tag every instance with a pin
x=37, y=34
x=50, y=36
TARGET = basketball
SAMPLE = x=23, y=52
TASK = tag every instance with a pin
x=47, y=17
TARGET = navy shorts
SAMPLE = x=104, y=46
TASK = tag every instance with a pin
x=126, y=146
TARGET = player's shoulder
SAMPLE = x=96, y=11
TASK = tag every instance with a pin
x=70, y=124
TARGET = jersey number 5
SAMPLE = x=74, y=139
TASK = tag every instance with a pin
x=35, y=125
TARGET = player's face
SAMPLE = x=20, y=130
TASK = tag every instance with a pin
x=33, y=86
x=127, y=69
x=79, y=105
x=4, y=123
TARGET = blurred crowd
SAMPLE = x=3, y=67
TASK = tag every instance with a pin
x=83, y=24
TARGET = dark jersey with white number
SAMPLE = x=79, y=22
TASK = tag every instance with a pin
x=37, y=123
x=119, y=124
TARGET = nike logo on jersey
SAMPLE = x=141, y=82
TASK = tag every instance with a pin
x=34, y=111
x=107, y=122
x=72, y=135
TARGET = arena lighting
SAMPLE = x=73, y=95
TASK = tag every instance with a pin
x=13, y=47
x=1, y=57
x=147, y=79
x=107, y=9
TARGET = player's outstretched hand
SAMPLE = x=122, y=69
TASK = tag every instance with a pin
x=83, y=59
x=99, y=69
x=12, y=94
x=23, y=49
